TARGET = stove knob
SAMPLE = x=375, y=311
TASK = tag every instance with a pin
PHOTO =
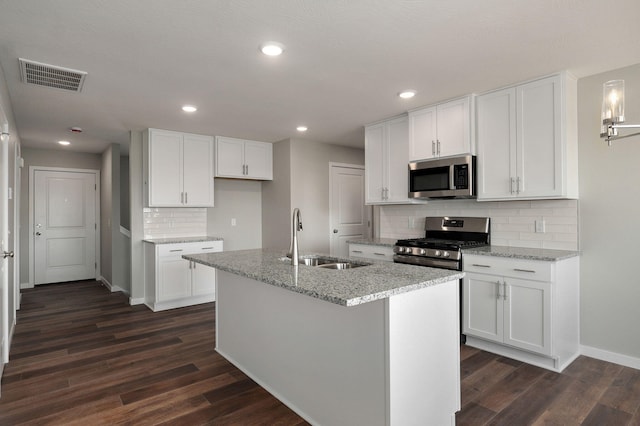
x=423, y=251
x=446, y=254
x=401, y=249
x=437, y=253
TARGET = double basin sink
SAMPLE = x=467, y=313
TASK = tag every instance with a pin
x=328, y=262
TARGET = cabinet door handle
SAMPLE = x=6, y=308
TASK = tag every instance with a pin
x=504, y=292
x=186, y=198
x=379, y=254
x=480, y=266
x=175, y=250
x=207, y=248
x=182, y=198
x=386, y=193
x=433, y=148
x=498, y=296
x=511, y=182
x=247, y=170
x=356, y=251
x=524, y=270
x=438, y=143
x=518, y=185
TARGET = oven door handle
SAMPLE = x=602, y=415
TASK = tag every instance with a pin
x=452, y=180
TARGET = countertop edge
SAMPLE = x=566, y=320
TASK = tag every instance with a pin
x=181, y=240
x=522, y=253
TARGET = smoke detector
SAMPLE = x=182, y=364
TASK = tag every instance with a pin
x=40, y=74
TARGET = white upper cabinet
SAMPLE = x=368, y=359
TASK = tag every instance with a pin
x=178, y=169
x=386, y=162
x=243, y=159
x=441, y=130
x=527, y=142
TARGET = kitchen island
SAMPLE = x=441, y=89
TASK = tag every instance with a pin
x=374, y=345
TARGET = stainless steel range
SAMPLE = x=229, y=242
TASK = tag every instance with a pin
x=445, y=238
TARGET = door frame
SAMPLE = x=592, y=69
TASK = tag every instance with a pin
x=32, y=173
x=331, y=207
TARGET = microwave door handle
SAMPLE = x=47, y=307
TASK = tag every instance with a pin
x=452, y=181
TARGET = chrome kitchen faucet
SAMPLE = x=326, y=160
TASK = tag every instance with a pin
x=296, y=225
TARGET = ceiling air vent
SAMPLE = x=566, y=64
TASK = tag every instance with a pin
x=51, y=76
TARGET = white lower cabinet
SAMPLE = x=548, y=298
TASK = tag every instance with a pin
x=374, y=252
x=523, y=309
x=173, y=282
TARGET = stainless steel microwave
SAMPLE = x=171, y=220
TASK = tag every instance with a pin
x=447, y=177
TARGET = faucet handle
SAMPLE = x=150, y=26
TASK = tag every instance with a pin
x=299, y=226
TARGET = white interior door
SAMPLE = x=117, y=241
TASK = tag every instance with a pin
x=4, y=247
x=65, y=227
x=349, y=217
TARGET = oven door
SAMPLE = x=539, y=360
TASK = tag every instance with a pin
x=427, y=261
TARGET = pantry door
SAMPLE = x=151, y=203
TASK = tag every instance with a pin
x=65, y=226
x=350, y=218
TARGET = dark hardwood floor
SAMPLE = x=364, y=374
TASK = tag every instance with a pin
x=82, y=355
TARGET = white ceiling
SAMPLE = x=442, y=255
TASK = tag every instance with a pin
x=345, y=61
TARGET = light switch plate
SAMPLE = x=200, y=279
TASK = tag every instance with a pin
x=540, y=226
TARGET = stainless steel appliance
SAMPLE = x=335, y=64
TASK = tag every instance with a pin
x=445, y=238
x=448, y=177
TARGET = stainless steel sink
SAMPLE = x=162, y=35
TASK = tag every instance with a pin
x=329, y=262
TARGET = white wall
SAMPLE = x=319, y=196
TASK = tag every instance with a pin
x=240, y=200
x=609, y=226
x=301, y=179
x=276, y=200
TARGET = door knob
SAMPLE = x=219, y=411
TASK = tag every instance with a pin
x=7, y=254
x=335, y=231
x=38, y=234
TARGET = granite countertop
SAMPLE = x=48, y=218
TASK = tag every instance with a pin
x=385, y=242
x=178, y=240
x=348, y=287
x=524, y=253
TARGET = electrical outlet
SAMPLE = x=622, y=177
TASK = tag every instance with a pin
x=540, y=226
x=233, y=222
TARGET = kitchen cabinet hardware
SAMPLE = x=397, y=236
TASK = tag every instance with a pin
x=6, y=254
x=356, y=251
x=379, y=254
x=208, y=248
x=481, y=266
x=525, y=270
x=174, y=250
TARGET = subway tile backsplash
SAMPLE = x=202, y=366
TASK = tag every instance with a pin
x=512, y=222
x=174, y=222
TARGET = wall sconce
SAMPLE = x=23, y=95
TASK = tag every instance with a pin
x=4, y=135
x=613, y=111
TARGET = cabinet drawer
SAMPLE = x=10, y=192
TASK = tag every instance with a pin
x=371, y=252
x=189, y=248
x=507, y=267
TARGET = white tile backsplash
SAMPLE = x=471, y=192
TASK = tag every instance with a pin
x=174, y=222
x=512, y=222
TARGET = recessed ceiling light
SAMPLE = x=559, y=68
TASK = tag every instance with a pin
x=64, y=143
x=301, y=128
x=407, y=94
x=75, y=129
x=189, y=108
x=272, y=48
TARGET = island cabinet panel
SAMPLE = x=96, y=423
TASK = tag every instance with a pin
x=392, y=361
x=172, y=282
x=178, y=169
x=527, y=140
x=523, y=309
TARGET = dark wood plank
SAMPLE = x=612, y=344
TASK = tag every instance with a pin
x=81, y=355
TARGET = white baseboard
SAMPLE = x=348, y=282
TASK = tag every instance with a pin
x=112, y=287
x=26, y=285
x=616, y=358
x=136, y=301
